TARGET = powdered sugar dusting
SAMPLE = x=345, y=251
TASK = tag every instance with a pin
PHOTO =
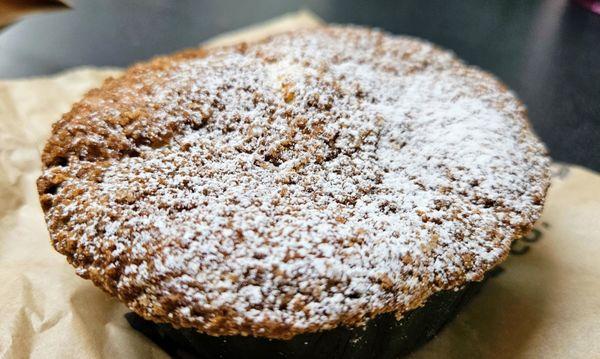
x=316, y=179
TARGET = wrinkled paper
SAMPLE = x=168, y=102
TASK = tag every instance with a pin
x=545, y=303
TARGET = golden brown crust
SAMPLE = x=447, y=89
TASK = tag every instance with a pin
x=312, y=180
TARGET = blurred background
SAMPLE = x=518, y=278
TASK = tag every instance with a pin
x=547, y=51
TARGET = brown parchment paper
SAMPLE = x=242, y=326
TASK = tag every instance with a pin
x=12, y=10
x=546, y=302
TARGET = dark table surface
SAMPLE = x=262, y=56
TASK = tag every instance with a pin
x=548, y=51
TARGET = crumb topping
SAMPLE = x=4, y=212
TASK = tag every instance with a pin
x=311, y=180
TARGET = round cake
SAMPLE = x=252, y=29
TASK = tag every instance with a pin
x=314, y=180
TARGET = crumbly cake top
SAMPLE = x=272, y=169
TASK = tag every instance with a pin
x=315, y=179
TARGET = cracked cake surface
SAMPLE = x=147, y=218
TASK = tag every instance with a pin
x=314, y=179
